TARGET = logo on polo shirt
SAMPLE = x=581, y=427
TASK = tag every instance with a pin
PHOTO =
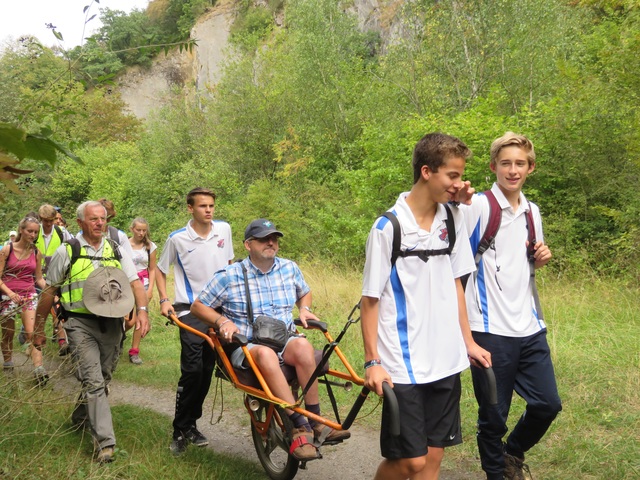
x=444, y=235
x=221, y=243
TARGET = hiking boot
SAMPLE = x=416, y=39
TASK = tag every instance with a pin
x=105, y=455
x=22, y=337
x=198, y=439
x=178, y=445
x=135, y=359
x=8, y=366
x=42, y=377
x=515, y=468
x=65, y=349
x=301, y=447
x=324, y=435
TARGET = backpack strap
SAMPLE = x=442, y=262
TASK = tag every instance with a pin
x=115, y=246
x=7, y=259
x=424, y=255
x=76, y=248
x=531, y=229
x=59, y=232
x=397, y=233
x=488, y=239
x=531, y=233
x=114, y=234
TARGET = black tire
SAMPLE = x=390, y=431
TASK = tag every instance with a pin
x=272, y=446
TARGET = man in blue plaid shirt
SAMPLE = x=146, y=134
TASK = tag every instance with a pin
x=276, y=285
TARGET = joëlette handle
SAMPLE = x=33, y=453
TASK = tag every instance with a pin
x=392, y=405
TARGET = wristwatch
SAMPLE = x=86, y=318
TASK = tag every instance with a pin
x=143, y=309
x=307, y=308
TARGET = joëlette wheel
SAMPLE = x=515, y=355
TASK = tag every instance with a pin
x=271, y=431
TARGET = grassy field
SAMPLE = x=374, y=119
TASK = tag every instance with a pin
x=594, y=330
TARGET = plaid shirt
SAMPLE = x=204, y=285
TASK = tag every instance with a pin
x=273, y=293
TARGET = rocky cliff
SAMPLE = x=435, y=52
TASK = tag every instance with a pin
x=144, y=90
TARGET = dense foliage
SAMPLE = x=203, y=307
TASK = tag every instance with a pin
x=312, y=125
x=135, y=38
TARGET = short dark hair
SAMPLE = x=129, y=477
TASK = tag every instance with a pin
x=199, y=191
x=434, y=149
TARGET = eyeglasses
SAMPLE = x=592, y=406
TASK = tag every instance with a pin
x=268, y=238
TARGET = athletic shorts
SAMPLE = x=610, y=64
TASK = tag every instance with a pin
x=429, y=416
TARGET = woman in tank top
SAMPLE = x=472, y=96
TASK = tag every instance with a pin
x=21, y=267
x=144, y=258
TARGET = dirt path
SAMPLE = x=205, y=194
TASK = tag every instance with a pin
x=356, y=458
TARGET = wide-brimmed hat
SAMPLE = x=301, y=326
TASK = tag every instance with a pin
x=260, y=228
x=107, y=293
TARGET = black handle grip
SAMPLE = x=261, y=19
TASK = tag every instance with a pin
x=392, y=403
x=355, y=409
x=492, y=390
x=394, y=411
x=313, y=324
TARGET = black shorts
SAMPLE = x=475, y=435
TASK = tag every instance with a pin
x=429, y=416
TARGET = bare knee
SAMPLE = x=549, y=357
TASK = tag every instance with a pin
x=435, y=455
x=265, y=358
x=401, y=468
x=300, y=352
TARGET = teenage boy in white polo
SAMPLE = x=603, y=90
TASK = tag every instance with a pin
x=503, y=316
x=414, y=321
x=197, y=251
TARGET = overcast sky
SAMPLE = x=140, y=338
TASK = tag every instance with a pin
x=28, y=17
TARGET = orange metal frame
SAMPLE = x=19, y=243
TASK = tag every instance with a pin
x=266, y=394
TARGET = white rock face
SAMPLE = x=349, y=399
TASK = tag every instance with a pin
x=144, y=90
x=212, y=37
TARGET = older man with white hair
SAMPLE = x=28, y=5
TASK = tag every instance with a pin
x=97, y=283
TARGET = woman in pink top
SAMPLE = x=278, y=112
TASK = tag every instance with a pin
x=21, y=267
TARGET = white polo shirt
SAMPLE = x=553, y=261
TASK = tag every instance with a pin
x=195, y=259
x=419, y=336
x=501, y=301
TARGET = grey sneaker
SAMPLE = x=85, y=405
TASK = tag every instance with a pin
x=515, y=468
x=178, y=445
x=135, y=359
x=105, y=455
x=198, y=439
x=8, y=366
x=42, y=377
x=22, y=337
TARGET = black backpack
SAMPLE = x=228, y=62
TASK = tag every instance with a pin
x=422, y=254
